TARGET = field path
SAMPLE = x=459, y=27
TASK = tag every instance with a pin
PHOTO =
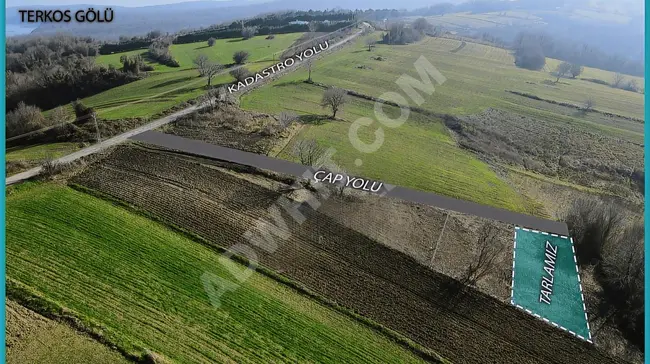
x=19, y=177
x=196, y=147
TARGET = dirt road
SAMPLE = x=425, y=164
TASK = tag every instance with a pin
x=19, y=177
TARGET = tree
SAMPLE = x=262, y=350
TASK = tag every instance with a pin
x=286, y=118
x=631, y=85
x=421, y=25
x=334, y=98
x=201, y=61
x=240, y=73
x=154, y=34
x=23, y=119
x=618, y=80
x=308, y=152
x=248, y=32
x=529, y=54
x=206, y=67
x=588, y=104
x=561, y=70
x=370, y=42
x=211, y=42
x=60, y=115
x=593, y=225
x=240, y=57
x=488, y=252
x=313, y=26
x=576, y=70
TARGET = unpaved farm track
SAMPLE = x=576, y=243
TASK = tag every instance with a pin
x=382, y=284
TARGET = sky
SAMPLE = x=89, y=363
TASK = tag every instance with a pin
x=130, y=3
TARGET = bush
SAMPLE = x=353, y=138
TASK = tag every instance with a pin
x=23, y=119
x=240, y=57
x=248, y=32
x=240, y=73
x=593, y=225
x=270, y=36
x=211, y=41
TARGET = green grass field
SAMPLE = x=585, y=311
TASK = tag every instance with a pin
x=420, y=154
x=477, y=77
x=141, y=282
x=167, y=87
x=40, y=151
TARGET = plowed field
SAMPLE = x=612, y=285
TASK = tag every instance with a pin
x=327, y=257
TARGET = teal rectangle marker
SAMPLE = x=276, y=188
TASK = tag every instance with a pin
x=546, y=281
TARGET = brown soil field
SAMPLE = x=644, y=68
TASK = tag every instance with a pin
x=229, y=127
x=592, y=158
x=326, y=256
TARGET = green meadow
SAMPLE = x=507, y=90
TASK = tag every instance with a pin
x=141, y=282
x=166, y=87
x=421, y=153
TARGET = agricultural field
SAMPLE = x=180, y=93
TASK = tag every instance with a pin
x=32, y=338
x=141, y=282
x=404, y=159
x=333, y=260
x=423, y=152
x=167, y=87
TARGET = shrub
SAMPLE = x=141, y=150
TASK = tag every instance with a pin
x=23, y=119
x=240, y=73
x=270, y=36
x=248, y=32
x=593, y=225
x=240, y=57
x=211, y=41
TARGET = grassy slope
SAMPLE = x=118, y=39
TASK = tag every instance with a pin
x=41, y=151
x=168, y=86
x=477, y=76
x=32, y=338
x=142, y=282
x=420, y=154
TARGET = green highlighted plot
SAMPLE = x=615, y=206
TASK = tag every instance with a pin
x=546, y=282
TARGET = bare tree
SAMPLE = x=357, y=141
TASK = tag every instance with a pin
x=334, y=98
x=313, y=26
x=421, y=25
x=308, y=151
x=248, y=32
x=201, y=61
x=618, y=80
x=240, y=57
x=286, y=118
x=576, y=70
x=489, y=251
x=211, y=41
x=370, y=42
x=240, y=73
x=562, y=70
x=210, y=70
x=588, y=104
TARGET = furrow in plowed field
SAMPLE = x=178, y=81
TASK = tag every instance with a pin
x=382, y=284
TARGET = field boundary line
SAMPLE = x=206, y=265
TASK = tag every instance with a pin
x=584, y=308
